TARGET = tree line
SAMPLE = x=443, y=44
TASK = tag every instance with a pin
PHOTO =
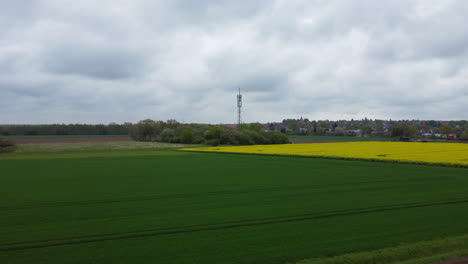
x=175, y=132
x=6, y=145
x=65, y=129
x=368, y=127
x=200, y=133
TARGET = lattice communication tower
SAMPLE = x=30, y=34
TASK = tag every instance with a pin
x=239, y=106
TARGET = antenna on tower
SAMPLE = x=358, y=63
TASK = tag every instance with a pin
x=239, y=106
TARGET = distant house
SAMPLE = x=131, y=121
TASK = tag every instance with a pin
x=355, y=132
x=427, y=135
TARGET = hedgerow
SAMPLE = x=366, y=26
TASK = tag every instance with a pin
x=175, y=132
x=7, y=145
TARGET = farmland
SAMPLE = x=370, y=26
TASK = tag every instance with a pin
x=69, y=139
x=455, y=154
x=93, y=146
x=318, y=139
x=167, y=206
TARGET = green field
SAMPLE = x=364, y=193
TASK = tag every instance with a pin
x=339, y=138
x=167, y=206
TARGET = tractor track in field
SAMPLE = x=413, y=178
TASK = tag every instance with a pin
x=25, y=245
x=190, y=195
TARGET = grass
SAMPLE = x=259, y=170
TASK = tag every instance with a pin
x=452, y=154
x=180, y=207
x=88, y=154
x=94, y=146
x=417, y=253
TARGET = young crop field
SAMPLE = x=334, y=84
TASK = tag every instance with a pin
x=411, y=152
x=305, y=139
x=167, y=206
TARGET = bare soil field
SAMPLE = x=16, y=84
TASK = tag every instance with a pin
x=70, y=139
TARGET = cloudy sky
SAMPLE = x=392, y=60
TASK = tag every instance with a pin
x=68, y=61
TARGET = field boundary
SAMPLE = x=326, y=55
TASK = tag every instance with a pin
x=421, y=252
x=438, y=164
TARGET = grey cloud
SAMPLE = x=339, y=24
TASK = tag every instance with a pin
x=17, y=13
x=207, y=10
x=82, y=61
x=94, y=61
x=262, y=83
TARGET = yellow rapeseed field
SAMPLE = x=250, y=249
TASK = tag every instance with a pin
x=439, y=153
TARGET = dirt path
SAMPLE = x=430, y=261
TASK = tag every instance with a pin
x=70, y=139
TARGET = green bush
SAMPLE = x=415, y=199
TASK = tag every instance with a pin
x=174, y=132
x=278, y=138
x=7, y=145
x=213, y=142
x=147, y=130
x=256, y=137
x=187, y=136
x=464, y=136
x=167, y=134
x=245, y=140
x=198, y=140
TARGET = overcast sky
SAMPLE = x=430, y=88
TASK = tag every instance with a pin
x=69, y=61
